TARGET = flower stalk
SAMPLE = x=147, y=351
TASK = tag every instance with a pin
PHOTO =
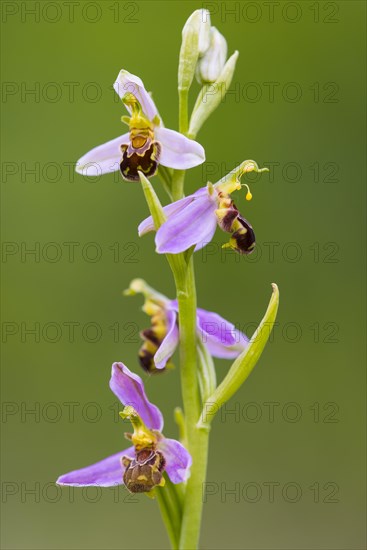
x=197, y=439
x=183, y=274
x=173, y=471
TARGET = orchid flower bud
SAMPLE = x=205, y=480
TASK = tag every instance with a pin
x=211, y=95
x=204, y=31
x=211, y=64
x=195, y=42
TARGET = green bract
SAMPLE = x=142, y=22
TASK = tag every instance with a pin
x=243, y=365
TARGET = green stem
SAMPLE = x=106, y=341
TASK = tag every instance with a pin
x=166, y=179
x=178, y=177
x=180, y=421
x=183, y=109
x=197, y=439
x=182, y=266
x=167, y=513
x=191, y=520
x=186, y=297
x=178, y=181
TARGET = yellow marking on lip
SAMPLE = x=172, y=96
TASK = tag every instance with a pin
x=138, y=141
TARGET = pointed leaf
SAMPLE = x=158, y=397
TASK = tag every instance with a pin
x=154, y=204
x=243, y=365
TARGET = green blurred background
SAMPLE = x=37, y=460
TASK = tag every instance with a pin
x=286, y=464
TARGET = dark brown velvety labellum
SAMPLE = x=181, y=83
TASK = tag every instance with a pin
x=144, y=472
x=244, y=237
x=146, y=360
x=145, y=160
x=227, y=217
x=153, y=338
x=149, y=334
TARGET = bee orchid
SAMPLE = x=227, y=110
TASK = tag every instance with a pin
x=147, y=143
x=141, y=466
x=192, y=221
x=221, y=338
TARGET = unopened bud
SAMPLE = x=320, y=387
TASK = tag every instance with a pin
x=211, y=95
x=195, y=42
x=204, y=31
x=211, y=64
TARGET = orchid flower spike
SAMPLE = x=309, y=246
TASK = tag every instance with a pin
x=192, y=221
x=146, y=145
x=141, y=466
x=222, y=338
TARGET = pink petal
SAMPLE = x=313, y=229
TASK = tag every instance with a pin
x=129, y=388
x=102, y=159
x=169, y=343
x=178, y=459
x=228, y=352
x=129, y=83
x=105, y=473
x=178, y=151
x=214, y=327
x=148, y=224
x=207, y=237
x=187, y=228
